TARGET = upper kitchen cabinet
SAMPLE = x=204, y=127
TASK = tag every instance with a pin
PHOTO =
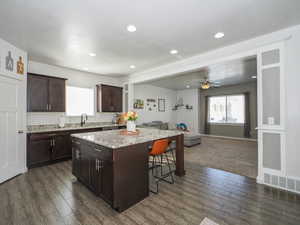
x=109, y=98
x=45, y=94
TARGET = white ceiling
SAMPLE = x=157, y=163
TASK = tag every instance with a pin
x=227, y=73
x=64, y=32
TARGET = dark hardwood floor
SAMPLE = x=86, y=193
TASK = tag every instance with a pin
x=51, y=195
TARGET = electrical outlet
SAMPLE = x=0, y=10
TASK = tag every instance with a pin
x=271, y=120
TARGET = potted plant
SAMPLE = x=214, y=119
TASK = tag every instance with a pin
x=131, y=117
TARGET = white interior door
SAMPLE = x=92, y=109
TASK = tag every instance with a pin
x=271, y=118
x=11, y=156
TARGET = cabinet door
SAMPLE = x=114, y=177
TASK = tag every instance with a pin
x=111, y=98
x=117, y=99
x=62, y=146
x=84, y=174
x=95, y=179
x=76, y=160
x=37, y=93
x=106, y=182
x=57, y=95
x=39, y=151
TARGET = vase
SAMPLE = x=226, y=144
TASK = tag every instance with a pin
x=131, y=127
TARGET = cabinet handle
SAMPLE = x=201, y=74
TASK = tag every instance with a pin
x=97, y=165
x=99, y=150
x=50, y=107
x=54, y=142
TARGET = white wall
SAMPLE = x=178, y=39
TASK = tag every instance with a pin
x=22, y=81
x=144, y=92
x=189, y=117
x=75, y=78
x=291, y=36
x=292, y=73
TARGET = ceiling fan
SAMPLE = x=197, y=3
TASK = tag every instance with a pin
x=206, y=84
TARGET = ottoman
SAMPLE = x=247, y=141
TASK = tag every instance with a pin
x=191, y=139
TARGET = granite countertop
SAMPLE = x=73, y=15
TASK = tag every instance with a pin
x=71, y=126
x=113, y=139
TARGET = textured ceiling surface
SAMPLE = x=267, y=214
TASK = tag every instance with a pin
x=224, y=74
x=65, y=32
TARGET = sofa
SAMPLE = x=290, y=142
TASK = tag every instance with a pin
x=190, y=138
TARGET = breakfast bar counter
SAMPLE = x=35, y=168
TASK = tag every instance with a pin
x=114, y=166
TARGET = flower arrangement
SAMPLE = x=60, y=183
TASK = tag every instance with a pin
x=130, y=116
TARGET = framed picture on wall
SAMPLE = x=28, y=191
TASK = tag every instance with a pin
x=138, y=104
x=161, y=105
x=151, y=105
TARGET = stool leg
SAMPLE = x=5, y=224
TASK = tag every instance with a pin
x=170, y=170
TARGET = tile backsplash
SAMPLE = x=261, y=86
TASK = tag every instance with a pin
x=53, y=118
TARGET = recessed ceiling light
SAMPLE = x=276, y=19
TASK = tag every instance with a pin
x=254, y=77
x=92, y=54
x=131, y=28
x=173, y=51
x=219, y=35
x=85, y=68
x=188, y=86
x=132, y=67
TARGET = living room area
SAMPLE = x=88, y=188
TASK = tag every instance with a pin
x=215, y=106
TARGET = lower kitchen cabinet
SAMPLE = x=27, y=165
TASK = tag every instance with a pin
x=93, y=167
x=61, y=146
x=50, y=147
x=40, y=149
x=46, y=148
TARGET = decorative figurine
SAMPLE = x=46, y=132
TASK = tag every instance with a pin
x=20, y=66
x=9, y=61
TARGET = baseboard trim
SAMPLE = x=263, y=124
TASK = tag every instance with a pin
x=229, y=138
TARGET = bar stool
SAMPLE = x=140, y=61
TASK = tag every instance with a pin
x=158, y=152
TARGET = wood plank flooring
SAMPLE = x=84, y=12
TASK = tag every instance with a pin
x=51, y=195
x=236, y=156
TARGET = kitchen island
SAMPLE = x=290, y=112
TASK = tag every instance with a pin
x=115, y=166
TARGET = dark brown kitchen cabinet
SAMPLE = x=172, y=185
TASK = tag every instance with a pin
x=37, y=93
x=46, y=148
x=57, y=95
x=61, y=146
x=45, y=93
x=40, y=150
x=93, y=167
x=109, y=98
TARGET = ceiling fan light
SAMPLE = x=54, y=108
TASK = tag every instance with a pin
x=205, y=85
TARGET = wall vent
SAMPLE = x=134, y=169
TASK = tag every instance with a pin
x=286, y=183
x=291, y=184
x=274, y=180
x=282, y=182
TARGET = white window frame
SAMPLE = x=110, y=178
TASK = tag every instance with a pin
x=225, y=123
x=94, y=100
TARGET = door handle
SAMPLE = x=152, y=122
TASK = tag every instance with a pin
x=21, y=132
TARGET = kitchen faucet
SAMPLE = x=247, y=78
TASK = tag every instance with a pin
x=84, y=118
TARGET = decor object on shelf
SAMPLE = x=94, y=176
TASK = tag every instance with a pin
x=161, y=105
x=151, y=104
x=20, y=66
x=9, y=62
x=131, y=117
x=138, y=104
x=182, y=126
x=188, y=107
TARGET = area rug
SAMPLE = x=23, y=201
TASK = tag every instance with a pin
x=207, y=221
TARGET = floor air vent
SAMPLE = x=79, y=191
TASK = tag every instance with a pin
x=285, y=183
